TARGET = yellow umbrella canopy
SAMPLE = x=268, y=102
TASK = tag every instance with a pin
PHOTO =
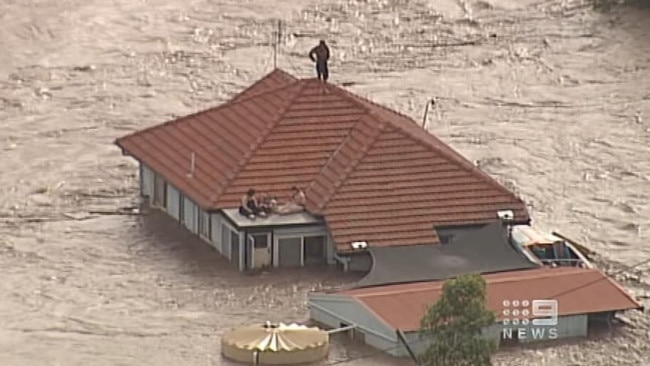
x=275, y=344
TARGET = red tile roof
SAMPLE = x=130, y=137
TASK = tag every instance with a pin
x=577, y=291
x=371, y=172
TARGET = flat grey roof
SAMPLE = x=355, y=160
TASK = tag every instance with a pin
x=486, y=250
x=300, y=218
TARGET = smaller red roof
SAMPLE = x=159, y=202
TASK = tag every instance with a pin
x=577, y=291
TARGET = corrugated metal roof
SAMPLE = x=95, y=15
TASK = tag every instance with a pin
x=371, y=172
x=577, y=290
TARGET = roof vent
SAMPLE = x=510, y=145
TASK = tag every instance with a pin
x=192, y=165
x=506, y=215
x=359, y=245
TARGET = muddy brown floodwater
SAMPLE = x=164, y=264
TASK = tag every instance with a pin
x=550, y=97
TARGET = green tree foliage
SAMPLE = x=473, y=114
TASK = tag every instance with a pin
x=453, y=325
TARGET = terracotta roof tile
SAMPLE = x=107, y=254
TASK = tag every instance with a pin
x=342, y=162
x=282, y=150
x=362, y=164
x=415, y=190
x=577, y=290
x=167, y=148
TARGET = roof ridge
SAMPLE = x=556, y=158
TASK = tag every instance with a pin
x=375, y=104
x=454, y=156
x=242, y=163
x=620, y=288
x=347, y=95
x=437, y=284
x=241, y=97
x=350, y=168
x=225, y=104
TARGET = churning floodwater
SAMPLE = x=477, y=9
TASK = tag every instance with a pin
x=552, y=98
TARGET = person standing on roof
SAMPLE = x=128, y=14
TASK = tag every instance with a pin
x=320, y=55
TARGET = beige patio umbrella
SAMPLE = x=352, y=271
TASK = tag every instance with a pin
x=275, y=344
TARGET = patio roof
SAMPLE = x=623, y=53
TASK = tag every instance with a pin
x=577, y=291
x=486, y=250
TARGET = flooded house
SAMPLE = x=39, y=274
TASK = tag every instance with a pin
x=372, y=177
x=388, y=316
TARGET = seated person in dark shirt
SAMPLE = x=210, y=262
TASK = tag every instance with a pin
x=249, y=206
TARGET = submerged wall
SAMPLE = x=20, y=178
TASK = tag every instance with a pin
x=220, y=233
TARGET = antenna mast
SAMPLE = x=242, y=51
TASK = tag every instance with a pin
x=276, y=42
x=430, y=103
x=192, y=165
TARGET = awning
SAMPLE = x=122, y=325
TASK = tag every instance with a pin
x=486, y=250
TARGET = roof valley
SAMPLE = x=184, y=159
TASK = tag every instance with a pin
x=409, y=128
x=357, y=155
x=251, y=152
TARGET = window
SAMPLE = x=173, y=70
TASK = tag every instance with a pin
x=181, y=209
x=234, y=246
x=260, y=240
x=234, y=238
x=289, y=251
x=160, y=191
x=445, y=239
x=225, y=240
x=315, y=250
x=204, y=224
x=143, y=191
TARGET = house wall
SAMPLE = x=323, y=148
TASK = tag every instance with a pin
x=334, y=311
x=204, y=221
x=173, y=202
x=567, y=327
x=225, y=237
x=190, y=215
x=289, y=252
x=216, y=232
x=220, y=234
x=419, y=345
x=299, y=232
x=146, y=181
x=242, y=252
x=331, y=249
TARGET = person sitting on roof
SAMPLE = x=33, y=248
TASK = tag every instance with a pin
x=266, y=203
x=296, y=202
x=249, y=206
x=273, y=203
